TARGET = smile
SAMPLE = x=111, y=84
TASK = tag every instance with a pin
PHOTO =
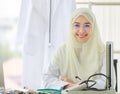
x=83, y=36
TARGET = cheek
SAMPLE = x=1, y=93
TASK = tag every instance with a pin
x=75, y=34
x=89, y=34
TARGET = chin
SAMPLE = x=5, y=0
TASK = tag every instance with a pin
x=83, y=40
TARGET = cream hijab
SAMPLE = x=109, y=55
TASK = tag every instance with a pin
x=82, y=59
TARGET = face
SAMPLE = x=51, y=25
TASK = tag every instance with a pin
x=82, y=29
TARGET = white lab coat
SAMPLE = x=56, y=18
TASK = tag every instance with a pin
x=34, y=27
x=52, y=78
x=60, y=19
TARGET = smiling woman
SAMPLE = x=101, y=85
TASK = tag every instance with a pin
x=82, y=55
x=82, y=29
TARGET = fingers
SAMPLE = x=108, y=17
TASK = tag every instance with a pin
x=67, y=80
x=64, y=79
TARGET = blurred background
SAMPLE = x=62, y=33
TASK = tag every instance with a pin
x=11, y=54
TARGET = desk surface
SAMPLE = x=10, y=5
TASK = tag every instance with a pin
x=90, y=92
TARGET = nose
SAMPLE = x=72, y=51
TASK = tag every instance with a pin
x=81, y=31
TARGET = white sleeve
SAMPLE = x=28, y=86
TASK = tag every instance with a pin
x=51, y=78
x=101, y=82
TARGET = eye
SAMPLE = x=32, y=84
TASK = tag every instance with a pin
x=86, y=27
x=76, y=26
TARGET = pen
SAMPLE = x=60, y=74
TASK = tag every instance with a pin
x=77, y=77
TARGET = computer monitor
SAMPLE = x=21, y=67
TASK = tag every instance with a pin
x=109, y=65
x=1, y=75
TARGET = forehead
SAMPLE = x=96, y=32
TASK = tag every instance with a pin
x=81, y=19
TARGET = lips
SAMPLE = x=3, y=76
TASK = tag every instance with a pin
x=83, y=36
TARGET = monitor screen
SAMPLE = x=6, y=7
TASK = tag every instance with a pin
x=109, y=65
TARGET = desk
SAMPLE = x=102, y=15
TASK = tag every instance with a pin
x=91, y=92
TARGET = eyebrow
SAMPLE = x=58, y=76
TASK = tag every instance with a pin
x=84, y=23
x=88, y=23
x=76, y=23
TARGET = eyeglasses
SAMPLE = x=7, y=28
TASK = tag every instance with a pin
x=86, y=27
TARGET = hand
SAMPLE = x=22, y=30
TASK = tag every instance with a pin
x=68, y=86
x=71, y=83
x=67, y=80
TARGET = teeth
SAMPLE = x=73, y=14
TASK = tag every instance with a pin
x=83, y=36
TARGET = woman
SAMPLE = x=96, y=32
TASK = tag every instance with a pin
x=82, y=55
